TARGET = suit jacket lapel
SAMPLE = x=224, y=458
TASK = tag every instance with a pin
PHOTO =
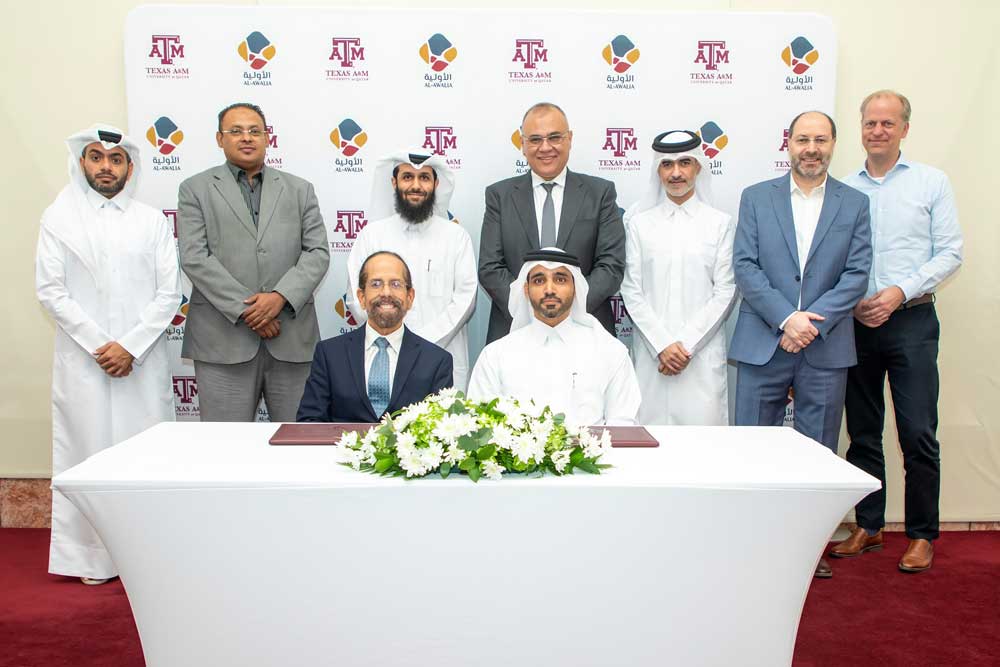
x=227, y=186
x=408, y=353
x=272, y=187
x=356, y=362
x=524, y=203
x=781, y=196
x=831, y=204
x=572, y=200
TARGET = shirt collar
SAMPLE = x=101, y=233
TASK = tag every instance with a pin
x=689, y=208
x=236, y=171
x=99, y=201
x=395, y=338
x=816, y=191
x=559, y=180
x=901, y=163
x=560, y=332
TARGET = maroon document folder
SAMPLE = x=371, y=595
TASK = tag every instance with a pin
x=314, y=433
x=627, y=436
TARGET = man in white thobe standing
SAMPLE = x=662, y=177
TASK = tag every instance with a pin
x=556, y=353
x=409, y=210
x=679, y=288
x=107, y=272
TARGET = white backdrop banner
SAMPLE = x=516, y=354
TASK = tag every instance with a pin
x=343, y=87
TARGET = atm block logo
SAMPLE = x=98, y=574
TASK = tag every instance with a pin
x=185, y=389
x=345, y=312
x=257, y=50
x=164, y=135
x=620, y=53
x=347, y=51
x=348, y=137
x=438, y=52
x=166, y=48
x=800, y=55
x=713, y=139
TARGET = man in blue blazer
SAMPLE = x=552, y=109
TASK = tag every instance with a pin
x=380, y=367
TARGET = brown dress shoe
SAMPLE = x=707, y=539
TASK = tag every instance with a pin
x=823, y=570
x=917, y=557
x=858, y=543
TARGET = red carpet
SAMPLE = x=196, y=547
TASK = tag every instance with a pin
x=868, y=614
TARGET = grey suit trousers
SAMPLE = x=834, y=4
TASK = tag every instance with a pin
x=232, y=392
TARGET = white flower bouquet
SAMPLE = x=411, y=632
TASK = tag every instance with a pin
x=447, y=432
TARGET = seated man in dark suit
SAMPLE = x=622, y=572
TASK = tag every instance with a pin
x=380, y=367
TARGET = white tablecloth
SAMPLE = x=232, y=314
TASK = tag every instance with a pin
x=236, y=553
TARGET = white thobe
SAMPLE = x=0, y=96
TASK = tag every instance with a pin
x=443, y=268
x=108, y=275
x=679, y=286
x=581, y=371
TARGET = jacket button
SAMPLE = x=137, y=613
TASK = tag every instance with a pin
x=797, y=278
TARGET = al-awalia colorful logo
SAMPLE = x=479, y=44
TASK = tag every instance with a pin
x=344, y=311
x=181, y=312
x=516, y=139
x=348, y=137
x=438, y=52
x=713, y=139
x=620, y=53
x=164, y=135
x=800, y=55
x=256, y=49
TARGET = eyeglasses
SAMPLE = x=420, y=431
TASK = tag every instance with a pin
x=237, y=132
x=394, y=285
x=554, y=139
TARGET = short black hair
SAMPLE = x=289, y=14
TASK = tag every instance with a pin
x=242, y=105
x=363, y=274
x=833, y=126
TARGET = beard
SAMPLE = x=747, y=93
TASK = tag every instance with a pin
x=810, y=172
x=550, y=311
x=107, y=189
x=414, y=213
x=386, y=319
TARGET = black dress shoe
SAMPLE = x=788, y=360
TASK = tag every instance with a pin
x=823, y=570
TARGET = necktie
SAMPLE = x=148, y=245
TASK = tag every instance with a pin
x=378, y=378
x=548, y=218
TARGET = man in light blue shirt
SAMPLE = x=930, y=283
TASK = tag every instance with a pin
x=917, y=245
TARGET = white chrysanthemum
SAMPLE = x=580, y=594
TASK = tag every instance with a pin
x=528, y=448
x=405, y=440
x=349, y=439
x=453, y=427
x=404, y=419
x=511, y=410
x=455, y=454
x=573, y=430
x=492, y=469
x=446, y=397
x=503, y=437
x=431, y=456
x=531, y=409
x=560, y=459
x=412, y=463
x=366, y=453
x=542, y=429
x=370, y=437
x=594, y=446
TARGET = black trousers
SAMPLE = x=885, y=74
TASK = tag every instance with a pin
x=905, y=347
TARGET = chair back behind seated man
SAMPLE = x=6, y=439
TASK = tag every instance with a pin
x=380, y=367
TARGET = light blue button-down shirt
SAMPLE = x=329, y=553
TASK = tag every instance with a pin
x=915, y=235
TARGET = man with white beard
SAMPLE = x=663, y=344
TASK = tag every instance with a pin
x=679, y=288
x=106, y=270
x=409, y=210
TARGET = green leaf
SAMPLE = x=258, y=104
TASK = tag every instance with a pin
x=383, y=464
x=485, y=452
x=576, y=456
x=468, y=443
x=559, y=418
x=445, y=470
x=589, y=466
x=475, y=473
x=457, y=408
x=468, y=463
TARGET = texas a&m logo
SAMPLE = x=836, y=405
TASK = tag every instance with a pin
x=620, y=141
x=529, y=53
x=711, y=54
x=345, y=231
x=165, y=50
x=346, y=57
x=441, y=139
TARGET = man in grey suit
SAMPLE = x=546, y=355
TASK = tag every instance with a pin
x=801, y=258
x=253, y=243
x=551, y=206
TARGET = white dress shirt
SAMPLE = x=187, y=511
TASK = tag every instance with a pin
x=371, y=349
x=557, y=197
x=805, y=217
x=581, y=371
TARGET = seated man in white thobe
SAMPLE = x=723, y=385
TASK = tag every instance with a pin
x=556, y=353
x=107, y=272
x=679, y=288
x=409, y=209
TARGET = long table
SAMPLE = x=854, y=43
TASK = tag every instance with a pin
x=234, y=552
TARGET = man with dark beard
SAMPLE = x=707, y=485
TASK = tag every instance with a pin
x=409, y=209
x=378, y=368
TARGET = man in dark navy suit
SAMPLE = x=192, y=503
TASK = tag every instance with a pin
x=380, y=367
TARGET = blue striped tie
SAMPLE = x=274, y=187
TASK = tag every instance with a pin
x=378, y=378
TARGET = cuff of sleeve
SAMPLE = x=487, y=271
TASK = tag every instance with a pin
x=781, y=326
x=909, y=289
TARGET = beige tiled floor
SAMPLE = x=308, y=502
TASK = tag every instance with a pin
x=25, y=503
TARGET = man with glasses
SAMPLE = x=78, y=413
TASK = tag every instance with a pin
x=378, y=368
x=253, y=243
x=551, y=206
